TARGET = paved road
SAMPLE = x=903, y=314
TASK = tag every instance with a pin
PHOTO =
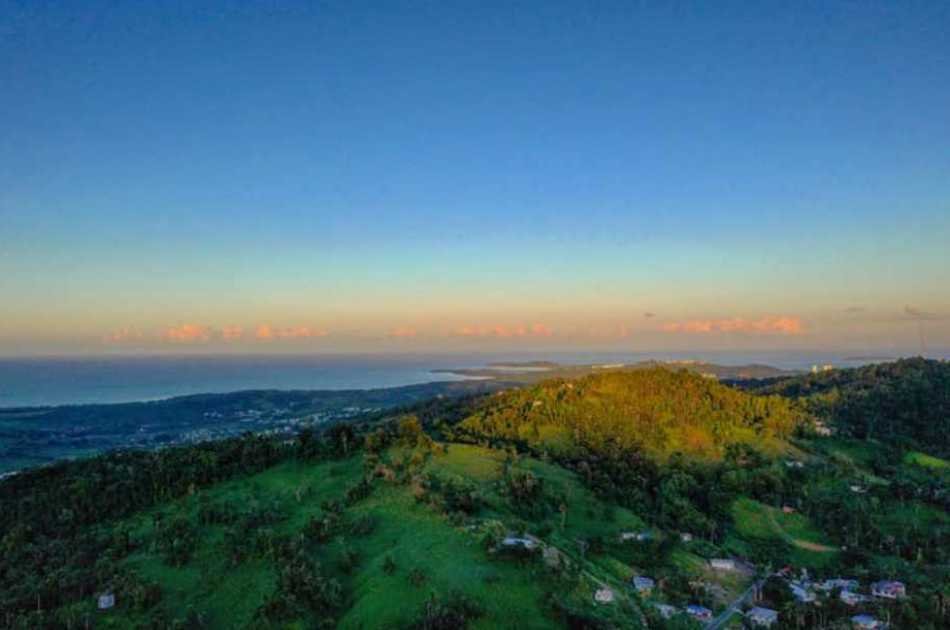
x=734, y=607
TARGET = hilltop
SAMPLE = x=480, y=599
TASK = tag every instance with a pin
x=656, y=412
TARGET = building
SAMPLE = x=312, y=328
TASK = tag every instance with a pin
x=643, y=585
x=527, y=542
x=604, y=596
x=787, y=509
x=666, y=611
x=794, y=463
x=686, y=537
x=637, y=536
x=801, y=594
x=831, y=584
x=723, y=564
x=866, y=622
x=851, y=598
x=762, y=617
x=700, y=613
x=889, y=589
x=106, y=601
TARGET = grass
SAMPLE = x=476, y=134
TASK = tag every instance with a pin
x=926, y=461
x=418, y=539
x=227, y=595
x=451, y=559
x=512, y=593
x=757, y=521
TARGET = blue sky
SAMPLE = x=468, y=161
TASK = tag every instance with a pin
x=433, y=175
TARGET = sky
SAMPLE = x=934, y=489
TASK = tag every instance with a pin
x=425, y=176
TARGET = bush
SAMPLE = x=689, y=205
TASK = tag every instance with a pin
x=450, y=613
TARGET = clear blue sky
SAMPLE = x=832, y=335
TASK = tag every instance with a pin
x=434, y=174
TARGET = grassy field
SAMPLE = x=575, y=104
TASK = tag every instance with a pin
x=415, y=538
x=757, y=521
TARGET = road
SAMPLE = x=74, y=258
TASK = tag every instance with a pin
x=734, y=607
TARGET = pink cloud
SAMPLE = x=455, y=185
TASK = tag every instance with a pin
x=232, y=333
x=124, y=335
x=779, y=324
x=266, y=332
x=403, y=332
x=541, y=330
x=501, y=330
x=188, y=333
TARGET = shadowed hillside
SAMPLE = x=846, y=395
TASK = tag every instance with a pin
x=907, y=400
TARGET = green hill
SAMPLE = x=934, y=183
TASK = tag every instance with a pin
x=656, y=412
x=905, y=400
x=402, y=522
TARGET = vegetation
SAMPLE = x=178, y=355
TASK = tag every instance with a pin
x=602, y=479
x=906, y=401
x=656, y=412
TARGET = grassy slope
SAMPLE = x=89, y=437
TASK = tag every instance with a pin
x=228, y=595
x=414, y=535
x=755, y=520
x=452, y=558
x=927, y=461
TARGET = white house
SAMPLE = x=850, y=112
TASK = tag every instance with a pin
x=642, y=584
x=686, y=537
x=762, y=617
x=723, y=564
x=801, y=594
x=889, y=589
x=604, y=596
x=637, y=536
x=666, y=611
x=851, y=598
x=528, y=542
x=106, y=601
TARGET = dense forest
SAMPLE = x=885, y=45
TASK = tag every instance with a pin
x=907, y=400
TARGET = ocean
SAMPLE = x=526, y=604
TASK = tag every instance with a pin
x=59, y=381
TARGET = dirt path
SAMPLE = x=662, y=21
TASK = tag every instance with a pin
x=801, y=544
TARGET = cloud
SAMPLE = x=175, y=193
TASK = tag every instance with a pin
x=501, y=330
x=916, y=313
x=232, y=333
x=188, y=333
x=124, y=335
x=540, y=330
x=266, y=332
x=780, y=324
x=403, y=332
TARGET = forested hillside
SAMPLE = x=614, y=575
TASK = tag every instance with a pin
x=523, y=509
x=905, y=400
x=655, y=412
